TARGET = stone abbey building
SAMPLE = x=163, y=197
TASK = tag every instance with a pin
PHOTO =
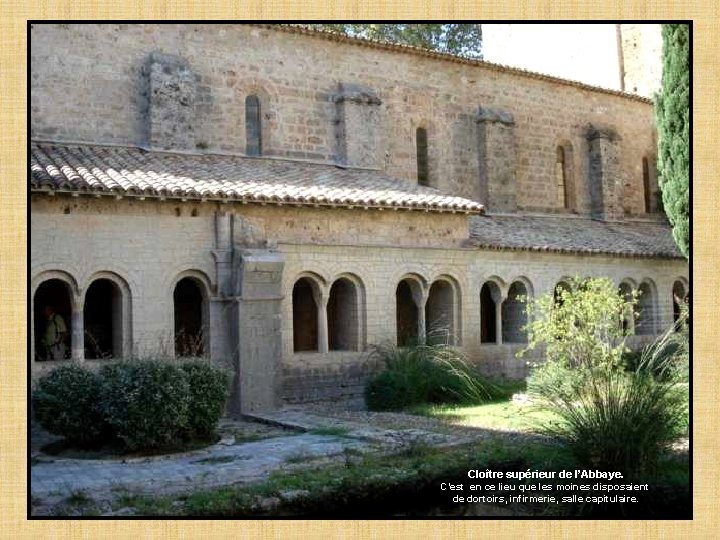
x=280, y=200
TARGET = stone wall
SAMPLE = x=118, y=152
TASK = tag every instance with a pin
x=89, y=83
x=148, y=247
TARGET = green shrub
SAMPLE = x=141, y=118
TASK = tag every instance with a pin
x=424, y=374
x=145, y=402
x=66, y=403
x=209, y=390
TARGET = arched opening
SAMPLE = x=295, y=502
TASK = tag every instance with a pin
x=680, y=298
x=514, y=314
x=253, y=126
x=488, y=312
x=190, y=324
x=440, y=313
x=102, y=318
x=406, y=315
x=646, y=185
x=646, y=310
x=558, y=291
x=628, y=317
x=305, y=316
x=565, y=187
x=52, y=320
x=421, y=142
x=343, y=316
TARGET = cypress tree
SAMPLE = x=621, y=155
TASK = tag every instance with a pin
x=673, y=121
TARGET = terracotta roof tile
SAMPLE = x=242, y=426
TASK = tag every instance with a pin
x=573, y=235
x=133, y=171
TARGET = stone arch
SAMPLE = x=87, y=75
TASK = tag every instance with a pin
x=307, y=305
x=442, y=311
x=56, y=291
x=680, y=296
x=490, y=301
x=514, y=314
x=647, y=308
x=565, y=175
x=266, y=95
x=107, y=316
x=409, y=301
x=191, y=291
x=346, y=314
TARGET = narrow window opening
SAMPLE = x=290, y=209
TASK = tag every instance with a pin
x=421, y=141
x=253, y=126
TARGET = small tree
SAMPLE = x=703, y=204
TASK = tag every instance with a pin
x=581, y=325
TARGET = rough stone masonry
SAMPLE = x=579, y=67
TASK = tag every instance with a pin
x=155, y=232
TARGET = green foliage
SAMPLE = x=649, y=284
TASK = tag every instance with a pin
x=581, y=325
x=146, y=402
x=65, y=402
x=209, y=390
x=611, y=418
x=459, y=39
x=424, y=373
x=673, y=120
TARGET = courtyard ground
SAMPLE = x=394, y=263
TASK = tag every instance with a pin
x=248, y=452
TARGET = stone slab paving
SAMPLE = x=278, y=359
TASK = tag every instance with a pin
x=220, y=464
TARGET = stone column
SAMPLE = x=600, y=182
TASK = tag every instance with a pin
x=78, y=333
x=420, y=297
x=498, y=297
x=321, y=300
x=605, y=173
x=497, y=159
x=358, y=134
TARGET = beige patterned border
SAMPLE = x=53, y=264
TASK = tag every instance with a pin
x=13, y=253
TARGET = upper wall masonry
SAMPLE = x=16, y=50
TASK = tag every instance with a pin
x=269, y=91
x=359, y=134
x=171, y=103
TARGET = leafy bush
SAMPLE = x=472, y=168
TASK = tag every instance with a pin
x=66, y=403
x=145, y=402
x=610, y=418
x=209, y=390
x=424, y=374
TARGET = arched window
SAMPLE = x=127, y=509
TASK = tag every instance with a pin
x=406, y=314
x=680, y=297
x=253, y=126
x=305, y=316
x=103, y=320
x=561, y=287
x=647, y=310
x=514, y=315
x=343, y=316
x=647, y=192
x=440, y=313
x=190, y=314
x=565, y=186
x=421, y=142
x=52, y=319
x=488, y=312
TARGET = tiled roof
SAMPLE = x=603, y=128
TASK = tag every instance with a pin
x=133, y=171
x=573, y=235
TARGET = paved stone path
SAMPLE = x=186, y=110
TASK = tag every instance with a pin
x=225, y=463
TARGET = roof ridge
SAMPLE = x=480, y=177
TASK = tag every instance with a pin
x=420, y=51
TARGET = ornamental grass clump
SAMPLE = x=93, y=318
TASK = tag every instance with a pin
x=610, y=418
x=424, y=373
